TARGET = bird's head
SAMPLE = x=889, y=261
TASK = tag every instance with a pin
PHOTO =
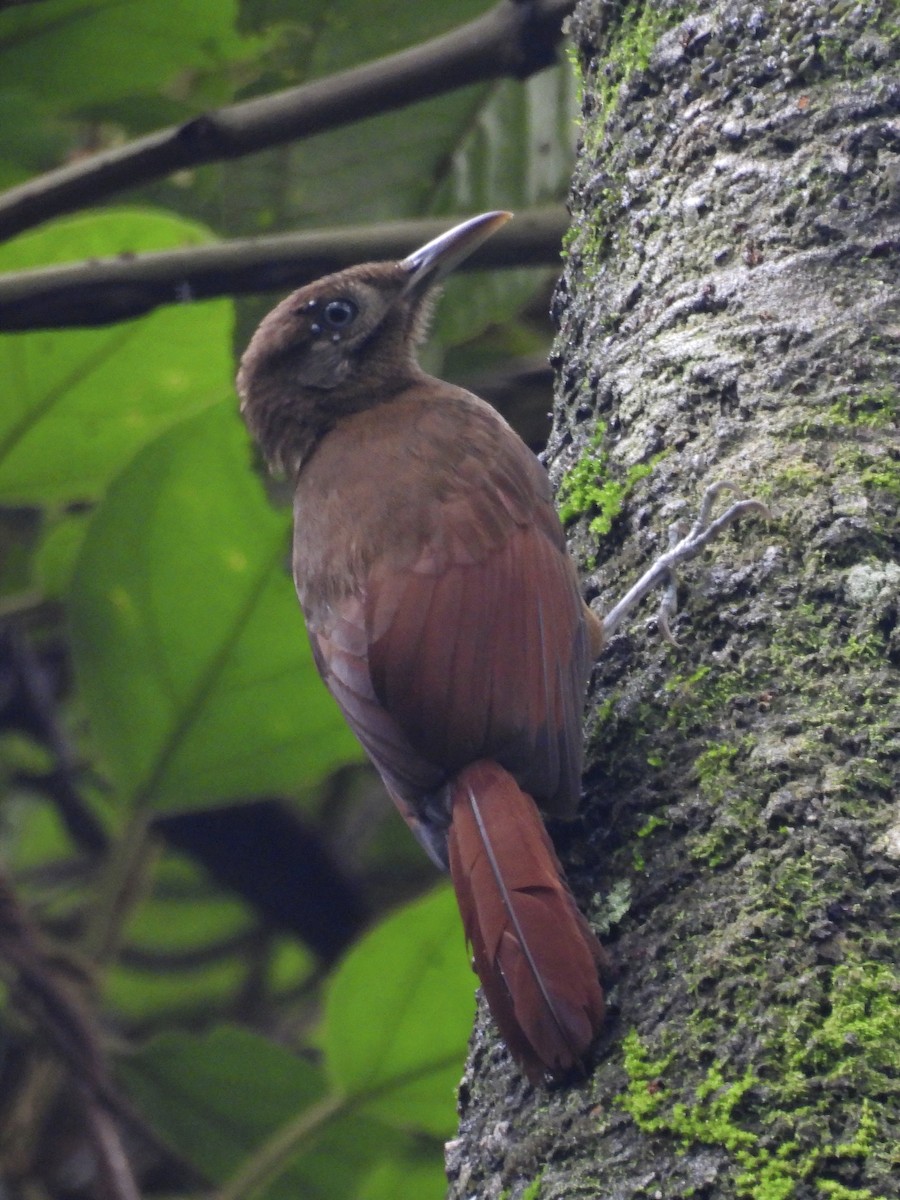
x=346, y=342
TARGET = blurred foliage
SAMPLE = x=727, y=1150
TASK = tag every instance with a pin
x=153, y=658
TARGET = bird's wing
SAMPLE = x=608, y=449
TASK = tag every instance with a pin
x=466, y=639
x=484, y=659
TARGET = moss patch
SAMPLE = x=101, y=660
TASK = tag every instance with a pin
x=853, y=1040
x=589, y=488
x=629, y=50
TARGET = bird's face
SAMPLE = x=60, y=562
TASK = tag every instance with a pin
x=319, y=336
x=344, y=342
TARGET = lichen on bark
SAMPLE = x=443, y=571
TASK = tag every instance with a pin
x=729, y=309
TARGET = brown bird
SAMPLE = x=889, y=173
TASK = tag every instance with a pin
x=445, y=618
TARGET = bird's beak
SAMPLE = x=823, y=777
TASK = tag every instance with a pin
x=437, y=258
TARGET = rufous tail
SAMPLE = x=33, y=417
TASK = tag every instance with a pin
x=534, y=952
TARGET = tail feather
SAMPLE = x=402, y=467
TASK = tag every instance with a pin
x=534, y=952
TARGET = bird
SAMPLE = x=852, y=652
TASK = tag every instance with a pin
x=445, y=617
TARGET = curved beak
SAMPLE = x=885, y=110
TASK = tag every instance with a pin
x=437, y=258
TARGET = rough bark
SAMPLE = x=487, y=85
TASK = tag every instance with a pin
x=729, y=310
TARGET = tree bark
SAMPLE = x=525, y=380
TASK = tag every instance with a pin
x=729, y=311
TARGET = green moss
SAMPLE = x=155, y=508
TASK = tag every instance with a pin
x=837, y=1190
x=872, y=409
x=855, y=1041
x=652, y=823
x=831, y=676
x=866, y=648
x=717, y=781
x=604, y=711
x=569, y=237
x=714, y=765
x=848, y=55
x=588, y=488
x=697, y=701
x=577, y=72
x=533, y=1191
x=861, y=1028
x=629, y=50
x=798, y=479
x=633, y=34
x=884, y=477
x=708, y=1119
x=804, y=631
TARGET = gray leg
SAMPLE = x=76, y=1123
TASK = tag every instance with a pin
x=682, y=548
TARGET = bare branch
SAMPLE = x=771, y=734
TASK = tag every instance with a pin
x=103, y=291
x=516, y=37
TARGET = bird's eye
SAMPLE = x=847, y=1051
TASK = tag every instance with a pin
x=339, y=313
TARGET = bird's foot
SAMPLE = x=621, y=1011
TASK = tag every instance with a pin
x=682, y=548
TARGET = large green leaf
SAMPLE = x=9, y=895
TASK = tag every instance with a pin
x=399, y=1013
x=77, y=404
x=353, y=31
x=417, y=1176
x=74, y=53
x=218, y=1097
x=30, y=140
x=188, y=641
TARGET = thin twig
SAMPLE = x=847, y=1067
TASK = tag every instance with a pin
x=67, y=1028
x=41, y=708
x=102, y=291
x=114, y=1168
x=515, y=38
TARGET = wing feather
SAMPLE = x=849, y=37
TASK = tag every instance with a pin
x=452, y=628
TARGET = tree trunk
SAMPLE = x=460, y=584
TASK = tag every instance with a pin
x=729, y=311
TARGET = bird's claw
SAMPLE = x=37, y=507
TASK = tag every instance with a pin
x=682, y=548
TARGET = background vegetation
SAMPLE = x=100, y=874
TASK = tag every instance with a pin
x=195, y=862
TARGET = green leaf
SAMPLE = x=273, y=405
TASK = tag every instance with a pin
x=79, y=403
x=30, y=141
x=187, y=951
x=218, y=1097
x=398, y=1016
x=31, y=835
x=411, y=1177
x=74, y=53
x=353, y=31
x=58, y=551
x=188, y=641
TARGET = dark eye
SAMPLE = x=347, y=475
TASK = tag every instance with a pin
x=339, y=313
